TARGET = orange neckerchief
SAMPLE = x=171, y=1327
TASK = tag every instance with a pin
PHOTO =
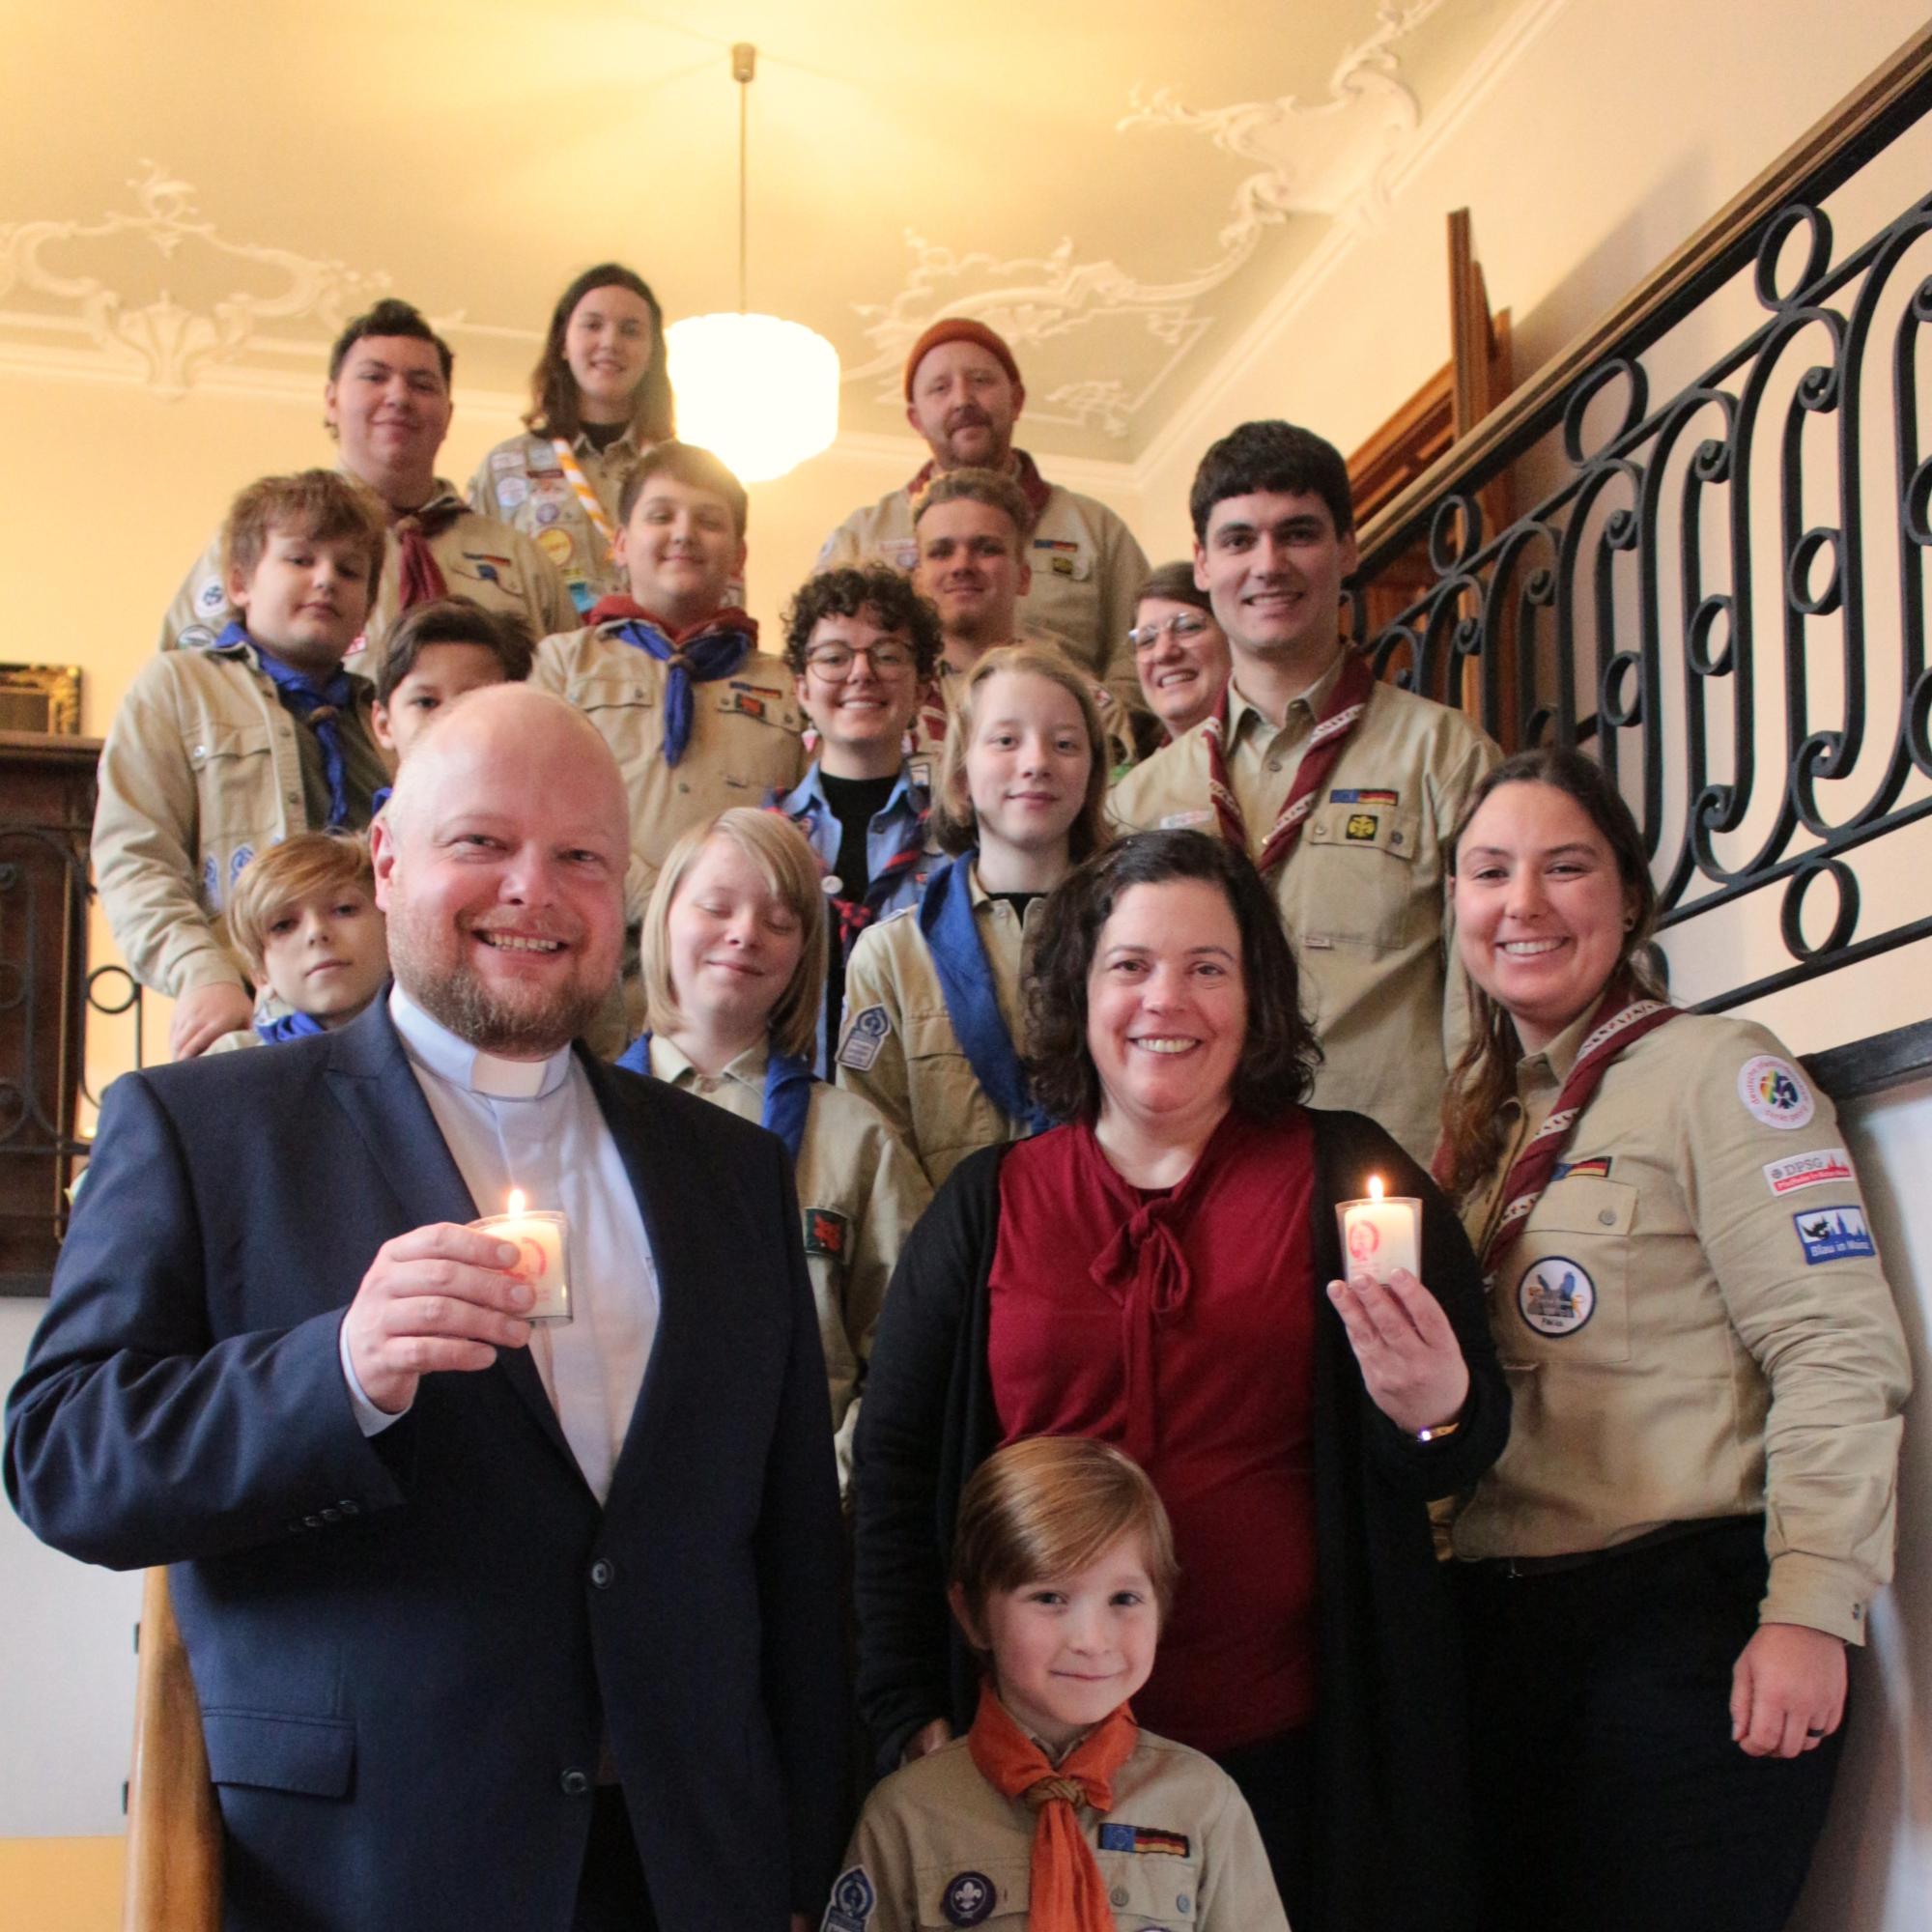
x=1067, y=1894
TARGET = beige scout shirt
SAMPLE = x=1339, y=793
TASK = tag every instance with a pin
x=936, y=1837
x=202, y=768
x=1694, y=1323
x=859, y=1192
x=746, y=732
x=479, y=557
x=522, y=482
x=898, y=1048
x=1363, y=894
x=1087, y=573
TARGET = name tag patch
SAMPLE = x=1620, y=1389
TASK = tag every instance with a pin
x=1372, y=795
x=865, y=1036
x=826, y=1233
x=1555, y=1296
x=1773, y=1092
x=1807, y=1170
x=1833, y=1234
x=1177, y=822
x=1141, y=1838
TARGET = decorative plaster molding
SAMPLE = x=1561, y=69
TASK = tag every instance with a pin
x=99, y=333
x=1334, y=158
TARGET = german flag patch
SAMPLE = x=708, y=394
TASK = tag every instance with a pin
x=1141, y=1838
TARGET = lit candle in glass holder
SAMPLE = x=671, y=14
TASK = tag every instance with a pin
x=1380, y=1233
x=541, y=1237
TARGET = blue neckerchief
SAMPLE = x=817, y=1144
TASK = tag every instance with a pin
x=378, y=798
x=290, y=1026
x=966, y=978
x=704, y=655
x=788, y=1084
x=318, y=705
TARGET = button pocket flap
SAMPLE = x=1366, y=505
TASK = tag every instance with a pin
x=1366, y=827
x=1586, y=1205
x=973, y=1892
x=1155, y=1888
x=280, y=1751
x=929, y=1035
x=217, y=738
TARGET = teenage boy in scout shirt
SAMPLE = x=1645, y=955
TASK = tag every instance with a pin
x=862, y=645
x=220, y=750
x=1342, y=790
x=963, y=395
x=387, y=402
x=671, y=677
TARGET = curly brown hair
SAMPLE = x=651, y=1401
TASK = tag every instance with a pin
x=1280, y=1052
x=875, y=591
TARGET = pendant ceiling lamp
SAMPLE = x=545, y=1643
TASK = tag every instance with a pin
x=762, y=394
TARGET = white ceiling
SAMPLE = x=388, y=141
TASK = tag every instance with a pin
x=199, y=193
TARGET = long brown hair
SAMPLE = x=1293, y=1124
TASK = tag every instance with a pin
x=553, y=405
x=1474, y=1124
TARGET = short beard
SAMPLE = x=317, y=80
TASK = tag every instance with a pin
x=459, y=1002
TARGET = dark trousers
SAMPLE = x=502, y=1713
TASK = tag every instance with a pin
x=612, y=1896
x=1277, y=1778
x=1609, y=1796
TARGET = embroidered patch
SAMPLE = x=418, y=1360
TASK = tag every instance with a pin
x=1833, y=1234
x=919, y=773
x=512, y=491
x=1176, y=821
x=196, y=637
x=1555, y=1296
x=1067, y=544
x=1807, y=1170
x=548, y=513
x=827, y=1233
x=864, y=1038
x=1361, y=825
x=901, y=555
x=760, y=689
x=1598, y=1167
x=211, y=883
x=968, y=1899
x=852, y=1902
x=745, y=704
x=212, y=596
x=237, y=860
x=506, y=459
x=1141, y=1838
x=1371, y=795
x=557, y=544
x=1773, y=1093
x=1064, y=566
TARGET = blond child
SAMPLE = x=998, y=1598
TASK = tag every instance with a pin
x=303, y=916
x=1056, y=1812
x=932, y=994
x=734, y=950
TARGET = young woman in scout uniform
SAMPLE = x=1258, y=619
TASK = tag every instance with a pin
x=734, y=972
x=600, y=396
x=1694, y=1508
x=1056, y=1811
x=932, y=994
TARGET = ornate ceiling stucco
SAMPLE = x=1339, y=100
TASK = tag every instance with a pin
x=1181, y=202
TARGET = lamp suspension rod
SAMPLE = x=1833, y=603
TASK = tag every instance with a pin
x=744, y=65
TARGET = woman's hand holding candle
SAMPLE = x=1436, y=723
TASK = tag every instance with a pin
x=437, y=1299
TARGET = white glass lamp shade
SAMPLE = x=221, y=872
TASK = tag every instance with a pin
x=759, y=392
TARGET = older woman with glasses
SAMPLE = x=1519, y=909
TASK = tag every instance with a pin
x=1162, y=1273
x=1181, y=653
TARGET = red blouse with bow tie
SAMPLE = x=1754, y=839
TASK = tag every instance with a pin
x=1178, y=1324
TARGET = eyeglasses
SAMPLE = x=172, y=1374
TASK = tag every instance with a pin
x=1185, y=624
x=833, y=662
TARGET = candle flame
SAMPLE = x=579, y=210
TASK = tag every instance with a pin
x=1375, y=1188
x=515, y=1205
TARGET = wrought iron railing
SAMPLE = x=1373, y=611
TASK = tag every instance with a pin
x=1722, y=586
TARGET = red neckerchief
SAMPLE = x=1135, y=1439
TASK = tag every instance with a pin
x=421, y=578
x=1033, y=487
x=1622, y=1017
x=1346, y=705
x=619, y=610
x=856, y=915
x=1067, y=1892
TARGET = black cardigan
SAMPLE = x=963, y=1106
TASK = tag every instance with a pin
x=1393, y=1856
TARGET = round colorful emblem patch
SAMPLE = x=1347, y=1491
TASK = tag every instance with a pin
x=1774, y=1092
x=1555, y=1296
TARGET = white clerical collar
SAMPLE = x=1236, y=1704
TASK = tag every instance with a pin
x=431, y=1044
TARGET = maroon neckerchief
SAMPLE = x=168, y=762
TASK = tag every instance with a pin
x=856, y=915
x=1033, y=487
x=1622, y=1018
x=622, y=610
x=421, y=580
x=1346, y=705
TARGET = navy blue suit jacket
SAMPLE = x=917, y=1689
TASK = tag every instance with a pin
x=406, y=1646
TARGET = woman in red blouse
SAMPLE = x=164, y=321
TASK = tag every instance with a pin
x=1153, y=1273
